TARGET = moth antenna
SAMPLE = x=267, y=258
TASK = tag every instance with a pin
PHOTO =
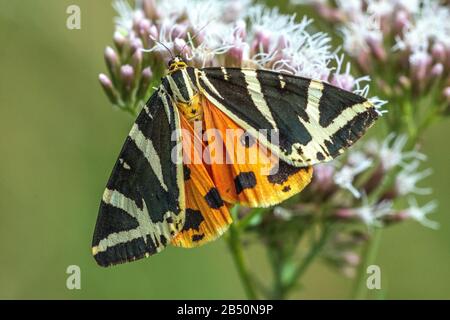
x=196, y=34
x=162, y=44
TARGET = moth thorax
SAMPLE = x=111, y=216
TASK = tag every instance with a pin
x=191, y=110
x=176, y=64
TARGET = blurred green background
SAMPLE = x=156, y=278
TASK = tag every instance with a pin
x=59, y=140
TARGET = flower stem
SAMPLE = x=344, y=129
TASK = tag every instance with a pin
x=235, y=247
x=369, y=255
x=307, y=260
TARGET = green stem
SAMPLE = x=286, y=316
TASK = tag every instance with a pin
x=308, y=259
x=368, y=258
x=247, y=220
x=275, y=258
x=237, y=252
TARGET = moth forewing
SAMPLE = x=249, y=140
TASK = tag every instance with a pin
x=143, y=205
x=316, y=121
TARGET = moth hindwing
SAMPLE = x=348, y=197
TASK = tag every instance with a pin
x=143, y=203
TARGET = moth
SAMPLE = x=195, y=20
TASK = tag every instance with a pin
x=155, y=198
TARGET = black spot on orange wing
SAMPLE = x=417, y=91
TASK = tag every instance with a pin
x=244, y=180
x=213, y=199
x=193, y=219
x=198, y=237
x=186, y=172
x=282, y=173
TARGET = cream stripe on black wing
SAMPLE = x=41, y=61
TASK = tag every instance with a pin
x=314, y=120
x=142, y=206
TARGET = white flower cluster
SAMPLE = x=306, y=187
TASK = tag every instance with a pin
x=376, y=160
x=235, y=33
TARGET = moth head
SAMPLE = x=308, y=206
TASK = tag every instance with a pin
x=176, y=63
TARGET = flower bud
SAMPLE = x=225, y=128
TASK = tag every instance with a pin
x=351, y=258
x=138, y=16
x=153, y=32
x=262, y=41
x=127, y=77
x=420, y=63
x=438, y=52
x=401, y=20
x=119, y=41
x=405, y=82
x=113, y=64
x=238, y=53
x=328, y=13
x=108, y=87
x=446, y=93
x=146, y=78
x=344, y=213
x=376, y=46
x=144, y=31
x=136, y=45
x=150, y=9
x=233, y=10
x=323, y=178
x=437, y=70
x=344, y=81
x=178, y=31
x=136, y=60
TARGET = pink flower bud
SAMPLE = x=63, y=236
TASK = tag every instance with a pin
x=146, y=78
x=153, y=32
x=376, y=46
x=420, y=62
x=119, y=41
x=446, y=93
x=344, y=213
x=401, y=20
x=343, y=81
x=438, y=52
x=108, y=87
x=112, y=60
x=113, y=63
x=233, y=10
x=127, y=76
x=179, y=31
x=147, y=73
x=104, y=80
x=405, y=82
x=181, y=47
x=437, y=70
x=282, y=43
x=262, y=41
x=138, y=16
x=351, y=258
x=136, y=60
x=150, y=9
x=136, y=45
x=144, y=30
x=328, y=13
x=323, y=177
